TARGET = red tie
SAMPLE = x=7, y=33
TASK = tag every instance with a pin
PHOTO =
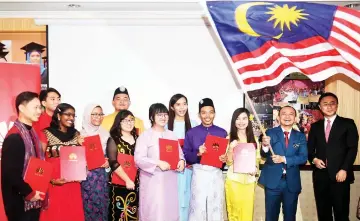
x=286, y=138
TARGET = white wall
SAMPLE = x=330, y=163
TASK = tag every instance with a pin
x=87, y=63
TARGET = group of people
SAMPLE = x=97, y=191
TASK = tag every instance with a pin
x=192, y=191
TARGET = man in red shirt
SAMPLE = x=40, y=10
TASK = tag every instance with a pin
x=49, y=99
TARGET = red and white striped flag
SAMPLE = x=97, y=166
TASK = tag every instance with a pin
x=268, y=41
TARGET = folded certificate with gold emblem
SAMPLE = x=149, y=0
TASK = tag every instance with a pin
x=245, y=158
x=215, y=147
x=94, y=152
x=73, y=163
x=127, y=163
x=169, y=152
x=38, y=174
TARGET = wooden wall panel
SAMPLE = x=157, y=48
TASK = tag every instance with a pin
x=20, y=25
x=348, y=92
x=21, y=39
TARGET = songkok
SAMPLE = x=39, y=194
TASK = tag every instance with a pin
x=206, y=102
x=121, y=90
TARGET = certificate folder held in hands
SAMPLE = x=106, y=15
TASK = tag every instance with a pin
x=38, y=174
x=127, y=163
x=245, y=158
x=169, y=152
x=73, y=163
x=94, y=152
x=215, y=147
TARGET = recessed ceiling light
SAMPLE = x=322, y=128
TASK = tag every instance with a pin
x=73, y=5
x=355, y=5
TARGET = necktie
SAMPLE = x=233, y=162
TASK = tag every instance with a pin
x=286, y=138
x=327, y=130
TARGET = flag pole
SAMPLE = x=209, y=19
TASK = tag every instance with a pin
x=216, y=37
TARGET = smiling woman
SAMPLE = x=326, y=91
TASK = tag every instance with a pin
x=22, y=34
x=65, y=195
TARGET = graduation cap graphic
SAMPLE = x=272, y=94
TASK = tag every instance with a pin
x=32, y=46
x=3, y=53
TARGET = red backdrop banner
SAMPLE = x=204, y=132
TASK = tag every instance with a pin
x=14, y=79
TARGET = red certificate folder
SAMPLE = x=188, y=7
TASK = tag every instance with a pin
x=215, y=147
x=73, y=163
x=245, y=158
x=38, y=174
x=94, y=152
x=181, y=142
x=128, y=165
x=169, y=152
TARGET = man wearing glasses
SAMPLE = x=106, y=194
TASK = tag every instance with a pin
x=121, y=101
x=332, y=148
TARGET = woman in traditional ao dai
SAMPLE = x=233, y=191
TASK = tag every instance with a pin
x=180, y=123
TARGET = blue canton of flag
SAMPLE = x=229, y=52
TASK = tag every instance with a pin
x=269, y=40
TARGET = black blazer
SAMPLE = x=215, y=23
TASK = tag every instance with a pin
x=341, y=149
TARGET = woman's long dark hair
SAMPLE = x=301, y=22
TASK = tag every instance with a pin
x=172, y=102
x=249, y=130
x=115, y=131
x=60, y=109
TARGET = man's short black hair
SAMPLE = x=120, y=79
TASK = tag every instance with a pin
x=328, y=94
x=44, y=93
x=24, y=98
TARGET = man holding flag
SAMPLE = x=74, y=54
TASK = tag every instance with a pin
x=266, y=41
x=281, y=174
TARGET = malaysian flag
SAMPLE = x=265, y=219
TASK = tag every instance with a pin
x=269, y=40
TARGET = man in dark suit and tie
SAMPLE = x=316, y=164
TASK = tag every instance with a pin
x=281, y=175
x=332, y=147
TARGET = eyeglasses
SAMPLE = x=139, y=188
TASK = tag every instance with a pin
x=126, y=121
x=97, y=115
x=165, y=115
x=69, y=115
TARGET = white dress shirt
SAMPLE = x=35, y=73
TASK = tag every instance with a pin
x=266, y=148
x=332, y=119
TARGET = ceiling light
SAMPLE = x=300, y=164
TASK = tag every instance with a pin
x=355, y=5
x=73, y=5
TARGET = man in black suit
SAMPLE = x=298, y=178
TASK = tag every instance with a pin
x=332, y=148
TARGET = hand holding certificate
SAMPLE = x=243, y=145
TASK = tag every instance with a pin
x=245, y=158
x=38, y=174
x=94, y=153
x=215, y=147
x=73, y=163
x=127, y=163
x=169, y=152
